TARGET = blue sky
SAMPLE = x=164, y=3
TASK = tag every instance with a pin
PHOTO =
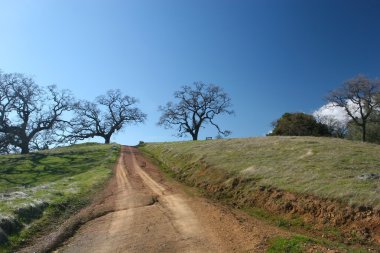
x=270, y=56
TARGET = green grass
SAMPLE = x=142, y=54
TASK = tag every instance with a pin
x=277, y=220
x=64, y=178
x=295, y=244
x=324, y=167
x=299, y=244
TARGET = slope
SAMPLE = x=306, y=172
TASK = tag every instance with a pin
x=39, y=190
x=323, y=184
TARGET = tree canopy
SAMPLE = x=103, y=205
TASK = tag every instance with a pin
x=299, y=124
x=196, y=106
x=360, y=99
x=28, y=112
x=104, y=117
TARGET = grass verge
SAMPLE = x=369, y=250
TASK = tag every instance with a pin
x=295, y=244
x=307, y=184
x=324, y=167
x=40, y=190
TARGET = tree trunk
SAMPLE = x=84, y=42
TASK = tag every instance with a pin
x=24, y=149
x=364, y=132
x=107, y=139
x=195, y=134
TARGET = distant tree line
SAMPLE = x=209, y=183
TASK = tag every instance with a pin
x=359, y=101
x=33, y=117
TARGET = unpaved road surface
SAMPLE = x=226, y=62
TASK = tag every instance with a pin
x=151, y=214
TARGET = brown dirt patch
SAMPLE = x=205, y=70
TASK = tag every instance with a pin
x=140, y=211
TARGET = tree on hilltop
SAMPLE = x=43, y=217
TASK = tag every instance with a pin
x=197, y=106
x=360, y=99
x=299, y=124
x=104, y=117
x=28, y=110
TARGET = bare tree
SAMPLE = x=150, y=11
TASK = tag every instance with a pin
x=198, y=105
x=358, y=97
x=337, y=128
x=109, y=114
x=27, y=110
x=51, y=138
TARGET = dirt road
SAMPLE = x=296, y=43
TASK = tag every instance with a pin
x=151, y=214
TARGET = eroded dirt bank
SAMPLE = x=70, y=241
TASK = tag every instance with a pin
x=142, y=212
x=322, y=217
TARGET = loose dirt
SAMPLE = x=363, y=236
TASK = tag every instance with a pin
x=147, y=213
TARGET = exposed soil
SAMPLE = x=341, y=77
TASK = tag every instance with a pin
x=140, y=211
x=352, y=225
x=357, y=224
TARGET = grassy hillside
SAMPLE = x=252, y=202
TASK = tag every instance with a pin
x=323, y=167
x=323, y=187
x=40, y=188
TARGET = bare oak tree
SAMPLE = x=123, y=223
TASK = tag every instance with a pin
x=358, y=97
x=106, y=116
x=27, y=110
x=197, y=105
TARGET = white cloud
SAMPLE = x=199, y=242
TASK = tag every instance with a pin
x=330, y=111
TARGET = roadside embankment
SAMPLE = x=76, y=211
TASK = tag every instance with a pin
x=326, y=186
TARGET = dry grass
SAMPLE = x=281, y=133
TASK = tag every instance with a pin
x=324, y=167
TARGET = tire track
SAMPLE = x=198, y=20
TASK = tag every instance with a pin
x=149, y=214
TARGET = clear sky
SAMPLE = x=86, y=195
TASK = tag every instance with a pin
x=270, y=56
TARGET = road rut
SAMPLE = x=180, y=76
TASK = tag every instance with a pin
x=151, y=214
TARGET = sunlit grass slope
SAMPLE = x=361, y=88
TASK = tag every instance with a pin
x=46, y=183
x=324, y=167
